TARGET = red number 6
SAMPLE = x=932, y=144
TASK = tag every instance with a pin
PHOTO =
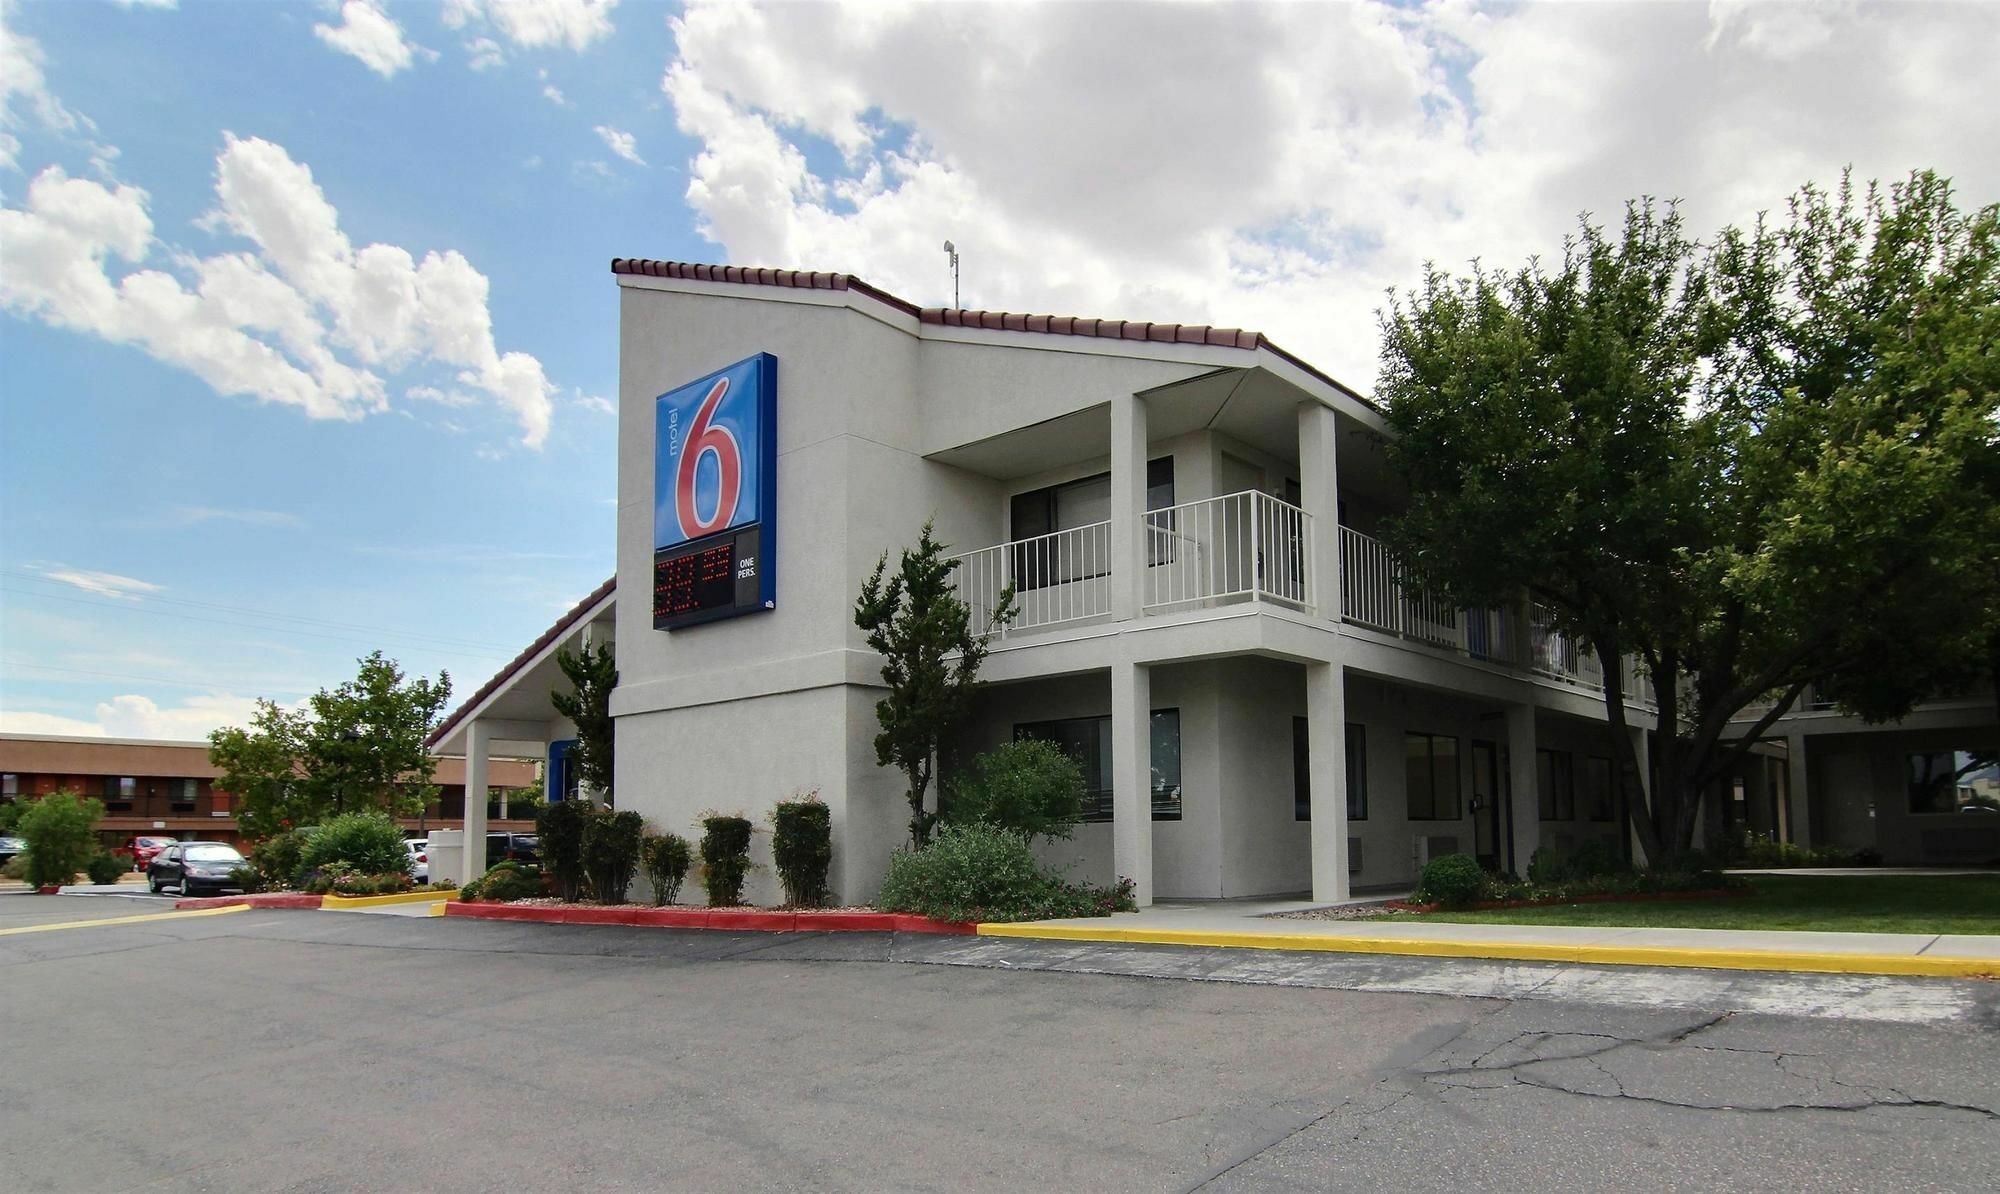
x=705, y=437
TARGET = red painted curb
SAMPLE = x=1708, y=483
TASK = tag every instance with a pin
x=285, y=899
x=739, y=920
x=49, y=889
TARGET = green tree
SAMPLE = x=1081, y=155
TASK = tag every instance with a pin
x=593, y=673
x=355, y=747
x=1756, y=465
x=930, y=661
x=1030, y=787
x=60, y=830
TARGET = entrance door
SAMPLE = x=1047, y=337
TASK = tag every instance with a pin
x=1490, y=817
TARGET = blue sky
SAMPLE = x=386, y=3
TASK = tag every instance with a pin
x=437, y=536
x=308, y=341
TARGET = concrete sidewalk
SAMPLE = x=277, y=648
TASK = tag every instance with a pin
x=1251, y=924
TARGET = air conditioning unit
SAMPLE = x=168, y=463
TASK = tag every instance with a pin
x=1428, y=846
x=1354, y=856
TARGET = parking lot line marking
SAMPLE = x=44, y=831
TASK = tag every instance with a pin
x=122, y=920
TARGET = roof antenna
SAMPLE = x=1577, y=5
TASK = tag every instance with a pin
x=951, y=250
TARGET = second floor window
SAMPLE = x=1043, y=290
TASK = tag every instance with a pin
x=1069, y=507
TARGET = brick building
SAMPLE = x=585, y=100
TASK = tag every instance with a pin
x=168, y=789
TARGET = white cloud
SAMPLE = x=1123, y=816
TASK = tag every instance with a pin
x=370, y=35
x=133, y=716
x=196, y=515
x=24, y=90
x=104, y=584
x=537, y=24
x=624, y=144
x=1278, y=167
x=306, y=320
x=484, y=53
x=592, y=402
x=149, y=3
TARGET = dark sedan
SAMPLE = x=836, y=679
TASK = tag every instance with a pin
x=193, y=866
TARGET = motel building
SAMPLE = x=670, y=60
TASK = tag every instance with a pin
x=1206, y=619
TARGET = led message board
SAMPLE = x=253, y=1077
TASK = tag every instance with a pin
x=715, y=472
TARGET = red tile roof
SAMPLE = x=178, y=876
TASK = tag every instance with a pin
x=997, y=321
x=562, y=627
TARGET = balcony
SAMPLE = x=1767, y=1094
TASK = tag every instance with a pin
x=1252, y=547
x=1203, y=554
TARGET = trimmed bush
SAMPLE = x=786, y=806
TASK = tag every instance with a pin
x=725, y=858
x=1031, y=787
x=508, y=880
x=561, y=826
x=366, y=843
x=666, y=858
x=982, y=872
x=279, y=858
x=1452, y=881
x=802, y=850
x=247, y=878
x=105, y=869
x=61, y=832
x=611, y=852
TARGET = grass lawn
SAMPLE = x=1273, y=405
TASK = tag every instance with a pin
x=1822, y=903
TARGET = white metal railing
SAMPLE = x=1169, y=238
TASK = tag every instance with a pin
x=1374, y=592
x=1060, y=577
x=1242, y=546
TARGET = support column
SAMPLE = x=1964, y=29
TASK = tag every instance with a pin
x=1319, y=493
x=1522, y=791
x=1642, y=750
x=1132, y=777
x=1326, y=778
x=478, y=739
x=1795, y=790
x=1128, y=506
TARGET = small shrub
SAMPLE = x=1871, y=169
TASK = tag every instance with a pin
x=247, y=878
x=16, y=868
x=506, y=881
x=666, y=858
x=367, y=843
x=967, y=873
x=611, y=852
x=60, y=830
x=1452, y=881
x=279, y=858
x=561, y=827
x=725, y=858
x=802, y=850
x=1031, y=787
x=105, y=869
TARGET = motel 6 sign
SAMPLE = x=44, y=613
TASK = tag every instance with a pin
x=715, y=510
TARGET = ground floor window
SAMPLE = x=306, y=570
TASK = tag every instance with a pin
x=1946, y=781
x=1357, y=772
x=1430, y=776
x=1597, y=791
x=1555, y=785
x=1088, y=741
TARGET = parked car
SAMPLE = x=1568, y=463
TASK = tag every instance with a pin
x=144, y=848
x=9, y=847
x=192, y=866
x=420, y=859
x=512, y=847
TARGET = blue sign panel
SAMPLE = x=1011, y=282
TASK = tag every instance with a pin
x=715, y=495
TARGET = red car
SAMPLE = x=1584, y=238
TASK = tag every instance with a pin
x=143, y=849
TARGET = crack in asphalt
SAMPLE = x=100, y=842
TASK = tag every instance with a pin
x=1540, y=1062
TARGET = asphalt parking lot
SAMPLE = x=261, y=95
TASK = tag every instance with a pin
x=279, y=1050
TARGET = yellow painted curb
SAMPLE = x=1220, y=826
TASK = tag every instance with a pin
x=124, y=920
x=423, y=895
x=1601, y=955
